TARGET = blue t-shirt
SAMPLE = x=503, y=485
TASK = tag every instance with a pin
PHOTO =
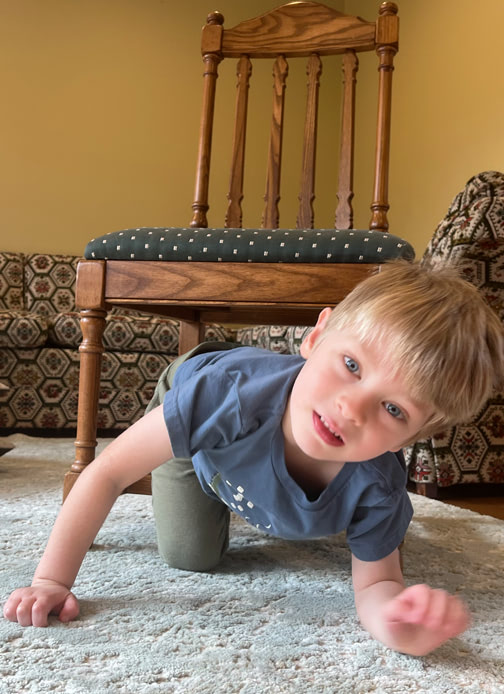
x=225, y=412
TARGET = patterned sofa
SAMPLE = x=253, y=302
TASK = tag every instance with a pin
x=39, y=359
x=472, y=236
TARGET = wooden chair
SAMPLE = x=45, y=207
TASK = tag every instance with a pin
x=263, y=275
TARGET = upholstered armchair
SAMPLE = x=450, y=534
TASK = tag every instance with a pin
x=472, y=236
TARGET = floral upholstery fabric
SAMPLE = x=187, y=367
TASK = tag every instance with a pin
x=283, y=339
x=128, y=333
x=11, y=282
x=472, y=236
x=49, y=283
x=20, y=329
x=39, y=361
x=43, y=387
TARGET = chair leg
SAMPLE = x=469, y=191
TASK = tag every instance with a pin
x=91, y=350
x=428, y=489
x=191, y=334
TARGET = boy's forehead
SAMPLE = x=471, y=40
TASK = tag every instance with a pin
x=376, y=336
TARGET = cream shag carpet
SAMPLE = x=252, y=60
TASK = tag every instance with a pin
x=276, y=617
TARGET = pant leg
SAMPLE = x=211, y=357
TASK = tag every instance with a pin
x=192, y=528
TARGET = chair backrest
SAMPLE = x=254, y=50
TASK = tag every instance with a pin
x=307, y=30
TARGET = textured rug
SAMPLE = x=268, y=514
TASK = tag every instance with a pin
x=276, y=617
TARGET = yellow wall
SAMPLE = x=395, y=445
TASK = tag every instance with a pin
x=100, y=116
x=101, y=101
x=448, y=103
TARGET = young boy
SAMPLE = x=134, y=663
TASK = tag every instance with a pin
x=300, y=446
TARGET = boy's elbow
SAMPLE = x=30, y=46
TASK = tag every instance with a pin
x=99, y=475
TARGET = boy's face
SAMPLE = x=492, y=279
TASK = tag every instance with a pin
x=347, y=405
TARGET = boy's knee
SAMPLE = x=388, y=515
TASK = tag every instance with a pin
x=179, y=557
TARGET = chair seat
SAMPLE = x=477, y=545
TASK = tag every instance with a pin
x=249, y=245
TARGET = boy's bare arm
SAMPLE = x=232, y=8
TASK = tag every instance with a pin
x=137, y=451
x=413, y=620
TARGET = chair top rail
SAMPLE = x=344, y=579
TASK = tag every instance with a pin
x=296, y=29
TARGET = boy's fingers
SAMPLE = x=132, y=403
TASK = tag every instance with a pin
x=436, y=610
x=410, y=605
x=9, y=612
x=446, y=613
x=39, y=614
x=436, y=613
x=458, y=618
x=23, y=614
x=11, y=605
x=70, y=608
x=397, y=610
x=28, y=607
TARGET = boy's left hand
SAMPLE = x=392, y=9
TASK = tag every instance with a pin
x=438, y=614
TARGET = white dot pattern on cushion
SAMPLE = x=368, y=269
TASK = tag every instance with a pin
x=249, y=245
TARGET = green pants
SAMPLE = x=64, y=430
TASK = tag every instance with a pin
x=192, y=529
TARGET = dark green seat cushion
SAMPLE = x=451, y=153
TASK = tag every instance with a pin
x=249, y=245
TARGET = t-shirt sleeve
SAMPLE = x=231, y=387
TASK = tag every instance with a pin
x=376, y=531
x=202, y=411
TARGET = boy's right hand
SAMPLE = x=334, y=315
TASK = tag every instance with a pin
x=32, y=605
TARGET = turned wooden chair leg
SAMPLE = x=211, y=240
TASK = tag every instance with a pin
x=191, y=334
x=91, y=350
x=428, y=489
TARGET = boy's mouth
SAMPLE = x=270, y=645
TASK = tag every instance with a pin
x=326, y=432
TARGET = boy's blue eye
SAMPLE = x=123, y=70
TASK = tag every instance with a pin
x=393, y=410
x=351, y=365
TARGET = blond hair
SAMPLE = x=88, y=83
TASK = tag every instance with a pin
x=442, y=337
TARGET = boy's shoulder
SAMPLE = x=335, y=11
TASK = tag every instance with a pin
x=387, y=470
x=230, y=392
x=247, y=368
x=244, y=357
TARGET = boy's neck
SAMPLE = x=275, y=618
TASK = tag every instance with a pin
x=312, y=476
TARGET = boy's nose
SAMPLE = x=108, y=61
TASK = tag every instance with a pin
x=352, y=408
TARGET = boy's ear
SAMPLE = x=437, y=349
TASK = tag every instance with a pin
x=309, y=342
